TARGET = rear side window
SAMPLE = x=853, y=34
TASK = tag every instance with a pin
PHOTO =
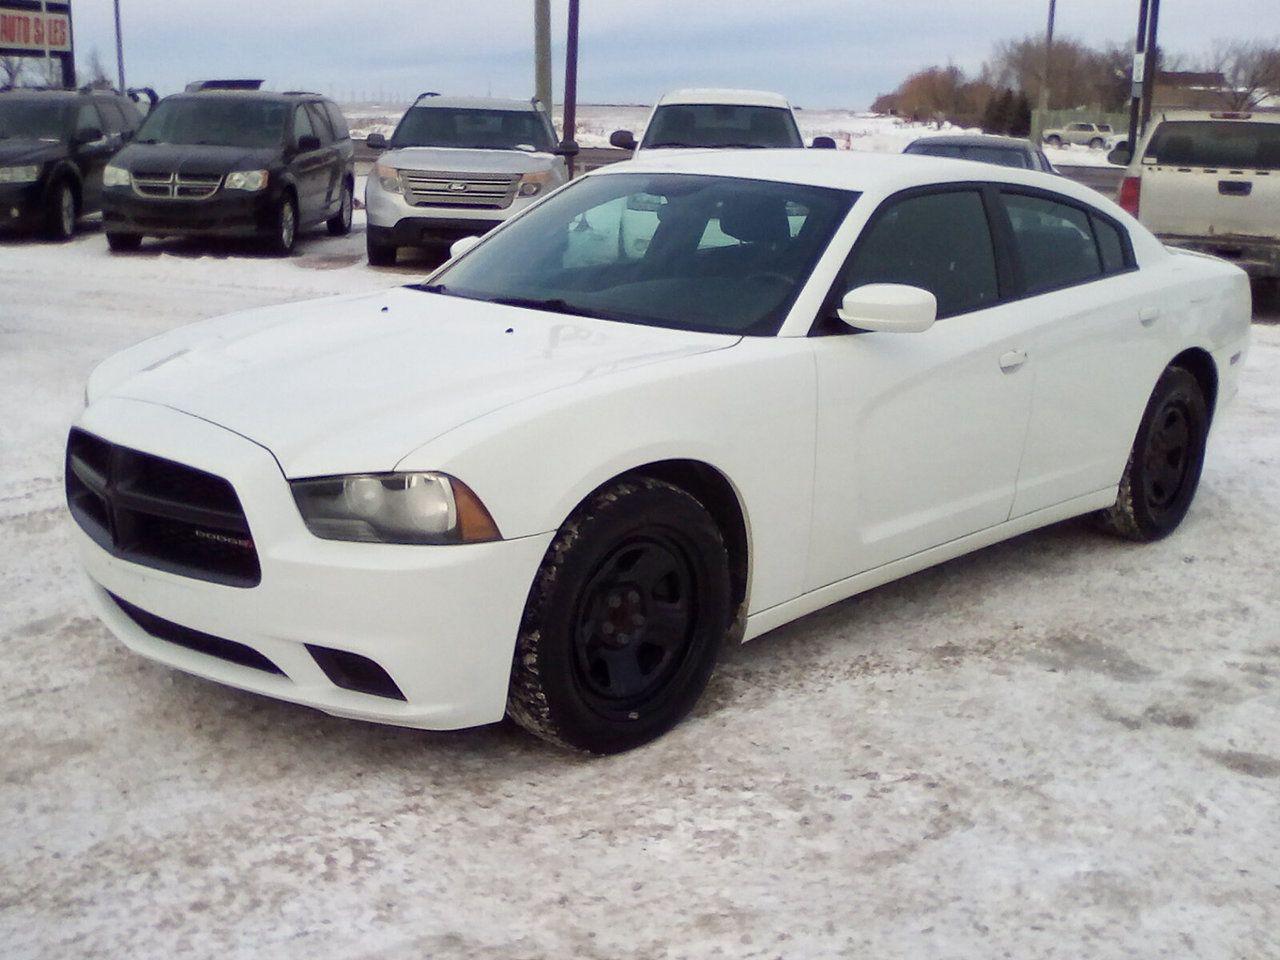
x=940, y=242
x=112, y=118
x=1229, y=144
x=1053, y=241
x=1111, y=246
x=337, y=121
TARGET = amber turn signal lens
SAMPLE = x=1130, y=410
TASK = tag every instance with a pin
x=475, y=525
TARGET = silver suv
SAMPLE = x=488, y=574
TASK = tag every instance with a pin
x=1082, y=134
x=457, y=167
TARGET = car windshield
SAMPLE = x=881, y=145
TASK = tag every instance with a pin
x=1227, y=144
x=217, y=121
x=32, y=119
x=473, y=129
x=1003, y=156
x=714, y=254
x=721, y=125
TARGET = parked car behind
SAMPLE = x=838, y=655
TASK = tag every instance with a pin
x=1002, y=151
x=54, y=145
x=716, y=119
x=457, y=167
x=548, y=482
x=1210, y=182
x=232, y=163
x=1082, y=134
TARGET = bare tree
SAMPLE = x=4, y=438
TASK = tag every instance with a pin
x=11, y=70
x=1250, y=68
x=96, y=72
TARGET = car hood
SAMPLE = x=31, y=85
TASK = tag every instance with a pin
x=15, y=152
x=193, y=159
x=355, y=384
x=447, y=159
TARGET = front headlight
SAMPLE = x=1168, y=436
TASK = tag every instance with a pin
x=531, y=184
x=27, y=174
x=251, y=180
x=394, y=508
x=388, y=176
x=114, y=176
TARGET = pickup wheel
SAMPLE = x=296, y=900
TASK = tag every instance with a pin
x=1163, y=471
x=624, y=620
x=340, y=223
x=380, y=255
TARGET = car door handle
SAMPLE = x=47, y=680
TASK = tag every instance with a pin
x=1012, y=360
x=1148, y=315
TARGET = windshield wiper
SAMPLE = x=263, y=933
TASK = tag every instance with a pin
x=666, y=145
x=149, y=141
x=549, y=304
x=428, y=287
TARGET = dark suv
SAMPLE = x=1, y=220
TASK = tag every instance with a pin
x=54, y=145
x=232, y=163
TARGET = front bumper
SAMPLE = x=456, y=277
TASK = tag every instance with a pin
x=441, y=621
x=226, y=214
x=1257, y=256
x=395, y=222
x=21, y=206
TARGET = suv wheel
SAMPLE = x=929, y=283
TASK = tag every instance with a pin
x=124, y=242
x=1053, y=140
x=60, y=215
x=340, y=223
x=624, y=620
x=285, y=236
x=1097, y=143
x=380, y=254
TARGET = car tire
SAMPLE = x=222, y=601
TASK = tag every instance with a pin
x=624, y=620
x=380, y=254
x=124, y=242
x=1163, y=471
x=340, y=223
x=61, y=212
x=1097, y=143
x=284, y=236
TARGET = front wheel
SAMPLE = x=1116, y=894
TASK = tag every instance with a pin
x=1163, y=471
x=285, y=235
x=380, y=254
x=340, y=223
x=1054, y=141
x=624, y=620
x=60, y=215
x=1097, y=143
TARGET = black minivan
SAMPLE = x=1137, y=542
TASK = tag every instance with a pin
x=54, y=145
x=232, y=163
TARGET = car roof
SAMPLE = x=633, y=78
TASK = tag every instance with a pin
x=976, y=140
x=1254, y=115
x=712, y=95
x=267, y=95
x=475, y=103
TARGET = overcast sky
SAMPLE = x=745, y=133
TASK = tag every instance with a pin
x=820, y=53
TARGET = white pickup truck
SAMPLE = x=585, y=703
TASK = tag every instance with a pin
x=1210, y=182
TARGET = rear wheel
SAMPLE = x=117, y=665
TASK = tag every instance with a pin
x=624, y=620
x=380, y=254
x=60, y=214
x=285, y=235
x=124, y=242
x=1163, y=471
x=340, y=223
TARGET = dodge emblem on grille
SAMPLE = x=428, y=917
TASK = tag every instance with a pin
x=223, y=538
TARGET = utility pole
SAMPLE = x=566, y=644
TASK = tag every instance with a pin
x=542, y=53
x=1149, y=77
x=1048, y=68
x=1139, y=75
x=119, y=48
x=44, y=36
x=571, y=84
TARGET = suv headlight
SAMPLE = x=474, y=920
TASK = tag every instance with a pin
x=394, y=508
x=113, y=176
x=251, y=180
x=27, y=174
x=531, y=184
x=388, y=176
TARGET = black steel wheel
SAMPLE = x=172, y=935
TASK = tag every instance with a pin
x=624, y=620
x=1163, y=472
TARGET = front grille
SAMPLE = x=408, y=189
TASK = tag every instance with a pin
x=176, y=186
x=158, y=513
x=477, y=191
x=205, y=643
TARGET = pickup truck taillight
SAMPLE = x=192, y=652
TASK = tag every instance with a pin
x=1130, y=193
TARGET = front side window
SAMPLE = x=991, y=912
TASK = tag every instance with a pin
x=713, y=254
x=87, y=118
x=1220, y=144
x=302, y=125
x=940, y=242
x=216, y=120
x=720, y=125
x=34, y=119
x=1053, y=241
x=473, y=129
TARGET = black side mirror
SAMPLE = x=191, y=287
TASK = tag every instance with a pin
x=1121, y=155
x=376, y=141
x=87, y=135
x=824, y=143
x=567, y=148
x=622, y=139
x=308, y=143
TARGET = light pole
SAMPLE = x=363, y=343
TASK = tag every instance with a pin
x=542, y=53
x=571, y=84
x=1043, y=107
x=119, y=48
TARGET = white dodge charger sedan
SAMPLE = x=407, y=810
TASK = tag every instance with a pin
x=683, y=398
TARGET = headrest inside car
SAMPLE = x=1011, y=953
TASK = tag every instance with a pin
x=755, y=219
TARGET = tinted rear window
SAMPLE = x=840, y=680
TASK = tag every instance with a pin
x=1230, y=144
x=1054, y=242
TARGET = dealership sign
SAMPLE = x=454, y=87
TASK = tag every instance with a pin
x=33, y=31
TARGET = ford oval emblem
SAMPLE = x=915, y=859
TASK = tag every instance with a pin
x=457, y=187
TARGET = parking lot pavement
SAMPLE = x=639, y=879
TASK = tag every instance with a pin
x=1061, y=746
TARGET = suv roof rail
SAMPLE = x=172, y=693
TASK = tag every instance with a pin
x=200, y=85
x=429, y=93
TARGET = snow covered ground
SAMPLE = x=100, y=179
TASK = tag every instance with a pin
x=1064, y=746
x=852, y=130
